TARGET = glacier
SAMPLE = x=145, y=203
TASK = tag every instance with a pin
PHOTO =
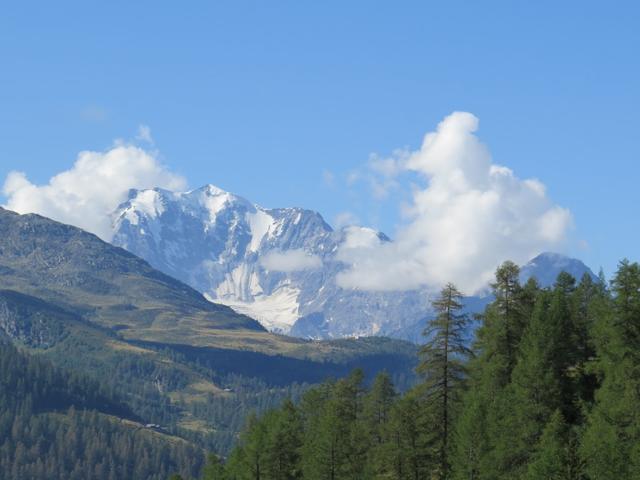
x=218, y=243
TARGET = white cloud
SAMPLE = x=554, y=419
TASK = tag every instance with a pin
x=87, y=193
x=290, y=261
x=392, y=166
x=144, y=134
x=343, y=219
x=380, y=174
x=469, y=216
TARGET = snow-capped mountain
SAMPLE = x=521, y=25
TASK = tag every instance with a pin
x=278, y=266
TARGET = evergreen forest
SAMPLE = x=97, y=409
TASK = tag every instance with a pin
x=548, y=389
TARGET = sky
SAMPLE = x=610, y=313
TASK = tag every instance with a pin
x=326, y=105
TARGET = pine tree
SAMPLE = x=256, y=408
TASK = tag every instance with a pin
x=378, y=405
x=508, y=307
x=336, y=446
x=533, y=395
x=442, y=366
x=283, y=443
x=488, y=399
x=408, y=451
x=555, y=456
x=472, y=441
x=610, y=443
x=252, y=459
x=214, y=469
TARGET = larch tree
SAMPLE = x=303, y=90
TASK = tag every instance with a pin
x=611, y=442
x=443, y=367
x=487, y=400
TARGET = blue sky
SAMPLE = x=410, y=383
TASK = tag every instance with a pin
x=271, y=100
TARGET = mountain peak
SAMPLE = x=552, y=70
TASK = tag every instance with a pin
x=546, y=266
x=551, y=256
x=214, y=197
x=211, y=190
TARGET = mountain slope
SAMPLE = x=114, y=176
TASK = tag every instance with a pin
x=221, y=245
x=175, y=358
x=59, y=426
x=109, y=286
x=225, y=246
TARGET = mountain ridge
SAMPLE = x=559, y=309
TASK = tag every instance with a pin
x=218, y=243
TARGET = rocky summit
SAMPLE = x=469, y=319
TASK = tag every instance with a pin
x=278, y=266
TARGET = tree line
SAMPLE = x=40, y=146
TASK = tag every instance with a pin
x=548, y=389
x=57, y=424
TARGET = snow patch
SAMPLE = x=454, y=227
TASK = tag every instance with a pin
x=146, y=203
x=276, y=312
x=260, y=224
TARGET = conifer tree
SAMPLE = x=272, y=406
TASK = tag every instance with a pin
x=442, y=366
x=487, y=400
x=610, y=443
x=409, y=439
x=250, y=460
x=214, y=469
x=555, y=456
x=508, y=307
x=533, y=395
x=336, y=446
x=283, y=443
x=378, y=405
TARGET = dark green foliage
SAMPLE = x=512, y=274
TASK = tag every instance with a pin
x=168, y=356
x=552, y=392
x=517, y=385
x=59, y=426
x=214, y=469
x=443, y=369
x=555, y=456
x=485, y=425
x=611, y=441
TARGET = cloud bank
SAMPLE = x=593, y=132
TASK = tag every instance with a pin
x=468, y=217
x=290, y=261
x=87, y=194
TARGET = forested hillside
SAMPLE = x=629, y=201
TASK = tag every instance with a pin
x=57, y=425
x=96, y=401
x=549, y=390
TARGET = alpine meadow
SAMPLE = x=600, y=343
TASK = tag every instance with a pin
x=319, y=240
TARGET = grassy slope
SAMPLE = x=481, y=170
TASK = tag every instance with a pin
x=92, y=307
x=108, y=286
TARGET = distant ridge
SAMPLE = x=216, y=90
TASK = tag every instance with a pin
x=547, y=266
x=218, y=242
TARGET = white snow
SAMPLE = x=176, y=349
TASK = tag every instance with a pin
x=214, y=200
x=276, y=312
x=360, y=237
x=260, y=224
x=146, y=203
x=237, y=284
x=149, y=202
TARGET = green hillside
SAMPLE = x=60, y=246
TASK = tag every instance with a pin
x=59, y=425
x=170, y=357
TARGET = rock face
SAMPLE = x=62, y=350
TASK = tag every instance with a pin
x=278, y=266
